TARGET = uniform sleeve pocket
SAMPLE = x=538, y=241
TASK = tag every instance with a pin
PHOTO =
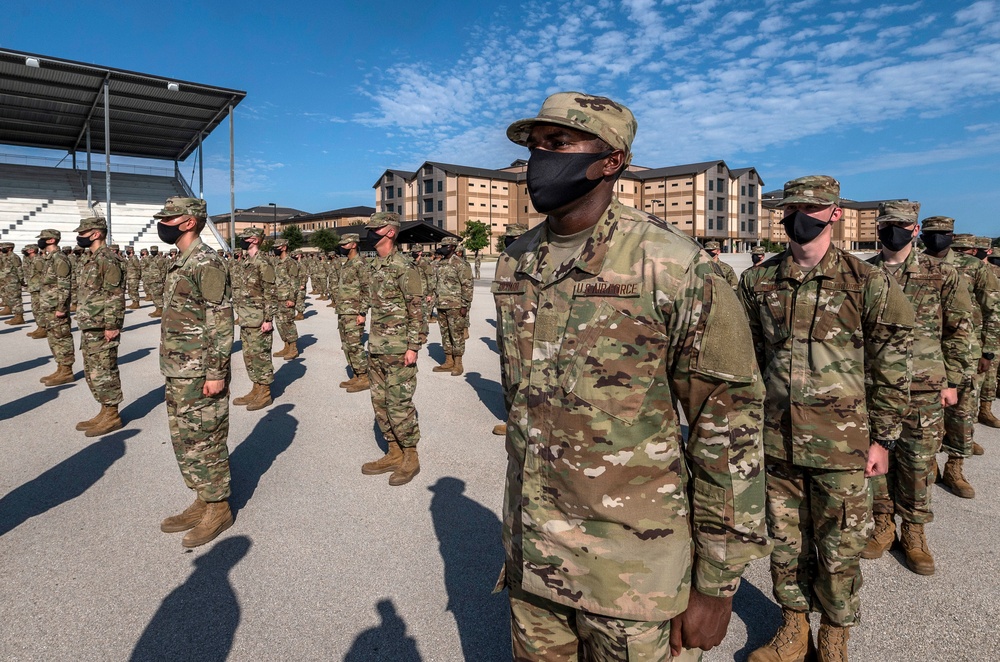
x=709, y=516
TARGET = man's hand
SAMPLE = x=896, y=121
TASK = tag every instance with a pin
x=361, y=320
x=702, y=625
x=878, y=461
x=110, y=334
x=213, y=387
x=463, y=311
x=984, y=365
x=289, y=304
x=61, y=314
x=949, y=397
x=409, y=358
x=266, y=327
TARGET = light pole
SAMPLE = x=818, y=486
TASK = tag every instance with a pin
x=274, y=219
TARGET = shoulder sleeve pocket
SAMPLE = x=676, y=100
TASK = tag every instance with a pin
x=725, y=347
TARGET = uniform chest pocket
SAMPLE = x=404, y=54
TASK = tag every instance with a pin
x=775, y=307
x=836, y=318
x=616, y=364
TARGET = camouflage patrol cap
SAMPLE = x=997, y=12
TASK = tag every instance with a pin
x=173, y=251
x=49, y=233
x=450, y=241
x=238, y=252
x=984, y=242
x=154, y=249
x=757, y=250
x=600, y=116
x=380, y=219
x=964, y=241
x=939, y=224
x=280, y=243
x=251, y=232
x=92, y=223
x=68, y=249
x=811, y=190
x=29, y=249
x=350, y=238
x=6, y=244
x=115, y=247
x=712, y=246
x=898, y=211
x=515, y=230
x=179, y=206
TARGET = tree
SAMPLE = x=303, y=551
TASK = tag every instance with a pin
x=477, y=236
x=293, y=235
x=324, y=239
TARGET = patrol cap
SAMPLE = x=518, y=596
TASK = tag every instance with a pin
x=154, y=249
x=964, y=241
x=898, y=211
x=29, y=249
x=6, y=244
x=68, y=249
x=938, y=224
x=350, y=238
x=712, y=246
x=252, y=232
x=49, y=233
x=92, y=223
x=984, y=242
x=811, y=190
x=238, y=252
x=173, y=251
x=515, y=230
x=115, y=247
x=450, y=241
x=280, y=243
x=757, y=250
x=599, y=116
x=380, y=219
x=178, y=206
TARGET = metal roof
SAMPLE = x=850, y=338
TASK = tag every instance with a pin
x=50, y=106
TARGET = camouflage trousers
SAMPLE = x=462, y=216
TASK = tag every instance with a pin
x=59, y=336
x=905, y=489
x=155, y=291
x=11, y=295
x=199, y=428
x=989, y=391
x=544, y=630
x=36, y=308
x=257, y=354
x=452, y=325
x=392, y=387
x=427, y=307
x=350, y=340
x=820, y=521
x=100, y=366
x=132, y=289
x=960, y=420
x=300, y=301
x=284, y=321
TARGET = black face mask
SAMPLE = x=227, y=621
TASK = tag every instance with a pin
x=994, y=260
x=756, y=259
x=556, y=179
x=937, y=242
x=803, y=228
x=84, y=242
x=245, y=244
x=981, y=253
x=895, y=237
x=443, y=251
x=277, y=252
x=168, y=234
x=42, y=243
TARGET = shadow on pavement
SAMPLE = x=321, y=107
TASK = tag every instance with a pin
x=63, y=482
x=13, y=329
x=759, y=614
x=285, y=373
x=137, y=409
x=387, y=641
x=252, y=458
x=155, y=320
x=383, y=443
x=469, y=541
x=492, y=322
x=31, y=401
x=198, y=620
x=491, y=343
x=25, y=365
x=436, y=352
x=308, y=340
x=489, y=393
x=135, y=356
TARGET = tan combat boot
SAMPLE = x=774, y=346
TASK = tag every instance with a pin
x=292, y=351
x=465, y=333
x=832, y=645
x=134, y=305
x=386, y=463
x=457, y=367
x=333, y=304
x=5, y=310
x=186, y=520
x=918, y=556
x=217, y=518
x=157, y=312
x=248, y=398
x=448, y=364
x=109, y=422
x=48, y=377
x=299, y=317
x=38, y=333
x=64, y=375
x=407, y=469
x=282, y=351
x=362, y=384
x=149, y=297
x=83, y=426
x=955, y=481
x=16, y=320
x=500, y=429
x=791, y=643
x=348, y=382
x=882, y=538
x=977, y=449
x=263, y=398
x=986, y=416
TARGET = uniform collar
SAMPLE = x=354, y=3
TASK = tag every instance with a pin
x=183, y=257
x=828, y=266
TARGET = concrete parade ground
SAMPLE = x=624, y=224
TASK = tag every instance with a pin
x=324, y=563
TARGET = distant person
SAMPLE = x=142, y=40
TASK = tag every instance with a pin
x=256, y=310
x=353, y=297
x=196, y=340
x=287, y=284
x=54, y=274
x=984, y=248
x=714, y=249
x=132, y=275
x=11, y=284
x=757, y=254
x=453, y=289
x=511, y=233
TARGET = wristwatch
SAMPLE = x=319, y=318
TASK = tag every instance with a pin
x=888, y=444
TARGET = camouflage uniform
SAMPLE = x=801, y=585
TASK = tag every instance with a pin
x=256, y=305
x=989, y=391
x=941, y=358
x=478, y=264
x=303, y=276
x=33, y=266
x=11, y=280
x=196, y=339
x=721, y=267
x=235, y=268
x=353, y=297
x=287, y=282
x=54, y=272
x=153, y=276
x=132, y=276
x=101, y=308
x=73, y=260
x=332, y=266
x=453, y=288
x=427, y=273
x=609, y=517
x=816, y=335
x=757, y=254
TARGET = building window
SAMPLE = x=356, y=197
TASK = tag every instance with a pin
x=719, y=222
x=440, y=205
x=752, y=207
x=441, y=223
x=743, y=190
x=719, y=167
x=440, y=186
x=674, y=184
x=428, y=169
x=390, y=207
x=711, y=223
x=719, y=185
x=720, y=204
x=710, y=205
x=472, y=204
x=711, y=185
x=743, y=207
x=753, y=190
x=751, y=225
x=743, y=226
x=428, y=186
x=525, y=209
x=428, y=206
x=389, y=192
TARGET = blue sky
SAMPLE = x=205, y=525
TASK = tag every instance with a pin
x=895, y=99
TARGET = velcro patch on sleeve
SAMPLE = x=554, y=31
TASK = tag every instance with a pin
x=213, y=284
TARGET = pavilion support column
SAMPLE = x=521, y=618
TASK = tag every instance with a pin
x=201, y=169
x=90, y=183
x=232, y=181
x=107, y=160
